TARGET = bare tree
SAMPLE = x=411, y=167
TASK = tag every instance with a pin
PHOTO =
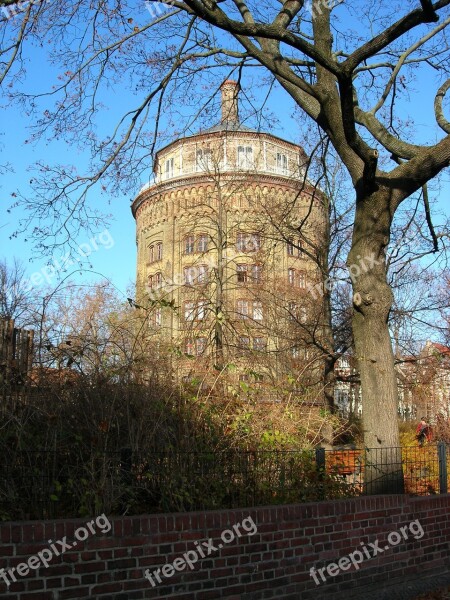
x=349, y=79
x=18, y=299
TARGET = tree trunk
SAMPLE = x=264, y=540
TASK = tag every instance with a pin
x=372, y=301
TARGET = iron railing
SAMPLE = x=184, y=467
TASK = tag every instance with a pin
x=47, y=484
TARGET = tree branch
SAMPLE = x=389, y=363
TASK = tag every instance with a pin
x=429, y=12
x=215, y=16
x=438, y=109
x=402, y=60
x=426, y=203
x=381, y=41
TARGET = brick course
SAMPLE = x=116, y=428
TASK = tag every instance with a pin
x=273, y=563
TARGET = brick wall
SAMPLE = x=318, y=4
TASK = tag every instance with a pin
x=274, y=562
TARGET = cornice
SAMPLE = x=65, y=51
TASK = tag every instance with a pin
x=203, y=180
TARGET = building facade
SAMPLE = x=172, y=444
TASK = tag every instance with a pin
x=227, y=237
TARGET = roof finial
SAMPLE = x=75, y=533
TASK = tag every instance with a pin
x=230, y=101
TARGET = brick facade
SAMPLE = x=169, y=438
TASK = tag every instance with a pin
x=275, y=562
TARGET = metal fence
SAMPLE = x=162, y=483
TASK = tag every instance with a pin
x=412, y=469
x=48, y=484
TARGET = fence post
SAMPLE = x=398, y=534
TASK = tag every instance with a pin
x=320, y=467
x=442, y=457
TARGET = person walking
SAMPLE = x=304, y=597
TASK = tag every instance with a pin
x=423, y=432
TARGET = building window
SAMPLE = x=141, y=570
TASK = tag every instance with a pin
x=257, y=311
x=292, y=310
x=155, y=281
x=156, y=252
x=169, y=167
x=202, y=273
x=248, y=242
x=195, y=347
x=202, y=243
x=197, y=274
x=190, y=274
x=195, y=311
x=294, y=247
x=245, y=157
x=245, y=309
x=242, y=309
x=189, y=244
x=200, y=345
x=201, y=310
x=189, y=347
x=244, y=342
x=155, y=318
x=189, y=311
x=249, y=273
x=259, y=344
x=204, y=159
x=282, y=163
x=297, y=278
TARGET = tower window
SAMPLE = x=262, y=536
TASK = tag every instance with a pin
x=244, y=342
x=169, y=167
x=282, y=163
x=200, y=345
x=202, y=273
x=297, y=278
x=156, y=318
x=259, y=344
x=245, y=309
x=248, y=242
x=189, y=244
x=195, y=347
x=189, y=347
x=189, y=314
x=202, y=243
x=155, y=281
x=294, y=247
x=291, y=276
x=249, y=273
x=204, y=159
x=257, y=311
x=156, y=252
x=195, y=311
x=190, y=274
x=195, y=274
x=292, y=310
x=245, y=157
x=242, y=309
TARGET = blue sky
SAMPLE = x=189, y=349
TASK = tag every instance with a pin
x=117, y=262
